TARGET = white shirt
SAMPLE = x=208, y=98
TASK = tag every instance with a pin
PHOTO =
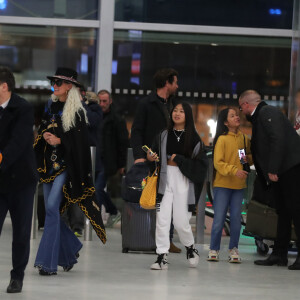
x=253, y=111
x=5, y=103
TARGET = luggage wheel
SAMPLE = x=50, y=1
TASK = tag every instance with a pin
x=261, y=247
x=125, y=250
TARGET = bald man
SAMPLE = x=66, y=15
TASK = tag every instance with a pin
x=275, y=147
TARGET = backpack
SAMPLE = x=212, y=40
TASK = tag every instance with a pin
x=132, y=183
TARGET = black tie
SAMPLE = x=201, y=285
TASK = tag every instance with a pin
x=1, y=111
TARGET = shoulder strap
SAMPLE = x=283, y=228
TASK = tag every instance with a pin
x=245, y=144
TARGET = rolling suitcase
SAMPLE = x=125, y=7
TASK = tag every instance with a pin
x=262, y=221
x=138, y=228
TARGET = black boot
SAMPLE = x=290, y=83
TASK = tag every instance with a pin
x=15, y=286
x=296, y=264
x=45, y=273
x=273, y=259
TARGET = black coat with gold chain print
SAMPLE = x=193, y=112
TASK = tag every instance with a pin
x=74, y=156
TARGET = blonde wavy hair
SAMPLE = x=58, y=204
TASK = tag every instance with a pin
x=72, y=107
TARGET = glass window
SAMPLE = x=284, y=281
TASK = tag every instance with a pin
x=254, y=13
x=217, y=67
x=68, y=9
x=206, y=63
x=34, y=52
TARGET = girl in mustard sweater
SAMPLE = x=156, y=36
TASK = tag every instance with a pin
x=231, y=169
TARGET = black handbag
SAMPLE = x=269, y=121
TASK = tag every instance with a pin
x=261, y=220
x=261, y=215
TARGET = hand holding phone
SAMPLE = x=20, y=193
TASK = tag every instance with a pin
x=152, y=156
x=147, y=149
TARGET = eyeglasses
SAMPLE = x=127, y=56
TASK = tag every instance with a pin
x=241, y=106
x=58, y=82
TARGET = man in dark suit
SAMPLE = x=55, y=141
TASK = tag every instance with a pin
x=113, y=153
x=18, y=175
x=275, y=147
x=152, y=116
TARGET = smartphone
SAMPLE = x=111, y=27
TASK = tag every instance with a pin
x=242, y=153
x=146, y=149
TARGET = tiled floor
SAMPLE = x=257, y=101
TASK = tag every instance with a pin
x=103, y=272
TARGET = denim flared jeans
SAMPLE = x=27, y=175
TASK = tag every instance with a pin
x=225, y=199
x=58, y=245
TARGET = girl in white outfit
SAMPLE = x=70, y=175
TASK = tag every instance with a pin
x=182, y=161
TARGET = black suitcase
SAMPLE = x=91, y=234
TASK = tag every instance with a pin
x=262, y=221
x=137, y=228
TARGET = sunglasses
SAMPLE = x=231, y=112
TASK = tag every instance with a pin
x=58, y=82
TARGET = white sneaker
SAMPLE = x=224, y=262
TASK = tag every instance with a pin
x=234, y=256
x=192, y=256
x=161, y=262
x=113, y=219
x=213, y=255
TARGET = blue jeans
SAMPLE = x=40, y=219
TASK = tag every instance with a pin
x=58, y=245
x=102, y=196
x=223, y=199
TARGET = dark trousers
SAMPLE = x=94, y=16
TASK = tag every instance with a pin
x=102, y=196
x=75, y=217
x=20, y=205
x=288, y=208
x=41, y=213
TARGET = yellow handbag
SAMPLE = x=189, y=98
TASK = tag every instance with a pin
x=148, y=197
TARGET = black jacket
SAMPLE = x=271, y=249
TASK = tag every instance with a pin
x=114, y=143
x=275, y=145
x=79, y=187
x=18, y=168
x=94, y=114
x=150, y=119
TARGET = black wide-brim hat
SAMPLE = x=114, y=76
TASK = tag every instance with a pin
x=66, y=74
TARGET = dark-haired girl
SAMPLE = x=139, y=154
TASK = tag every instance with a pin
x=231, y=156
x=182, y=169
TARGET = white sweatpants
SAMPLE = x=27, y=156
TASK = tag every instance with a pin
x=174, y=200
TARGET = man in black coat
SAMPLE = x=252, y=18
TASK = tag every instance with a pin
x=18, y=177
x=113, y=152
x=275, y=147
x=152, y=116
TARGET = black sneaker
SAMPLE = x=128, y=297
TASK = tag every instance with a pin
x=68, y=268
x=192, y=256
x=161, y=262
x=45, y=273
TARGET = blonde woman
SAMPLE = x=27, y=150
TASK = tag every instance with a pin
x=63, y=158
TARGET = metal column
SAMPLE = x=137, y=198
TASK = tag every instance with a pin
x=34, y=214
x=87, y=225
x=200, y=218
x=105, y=41
x=295, y=62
